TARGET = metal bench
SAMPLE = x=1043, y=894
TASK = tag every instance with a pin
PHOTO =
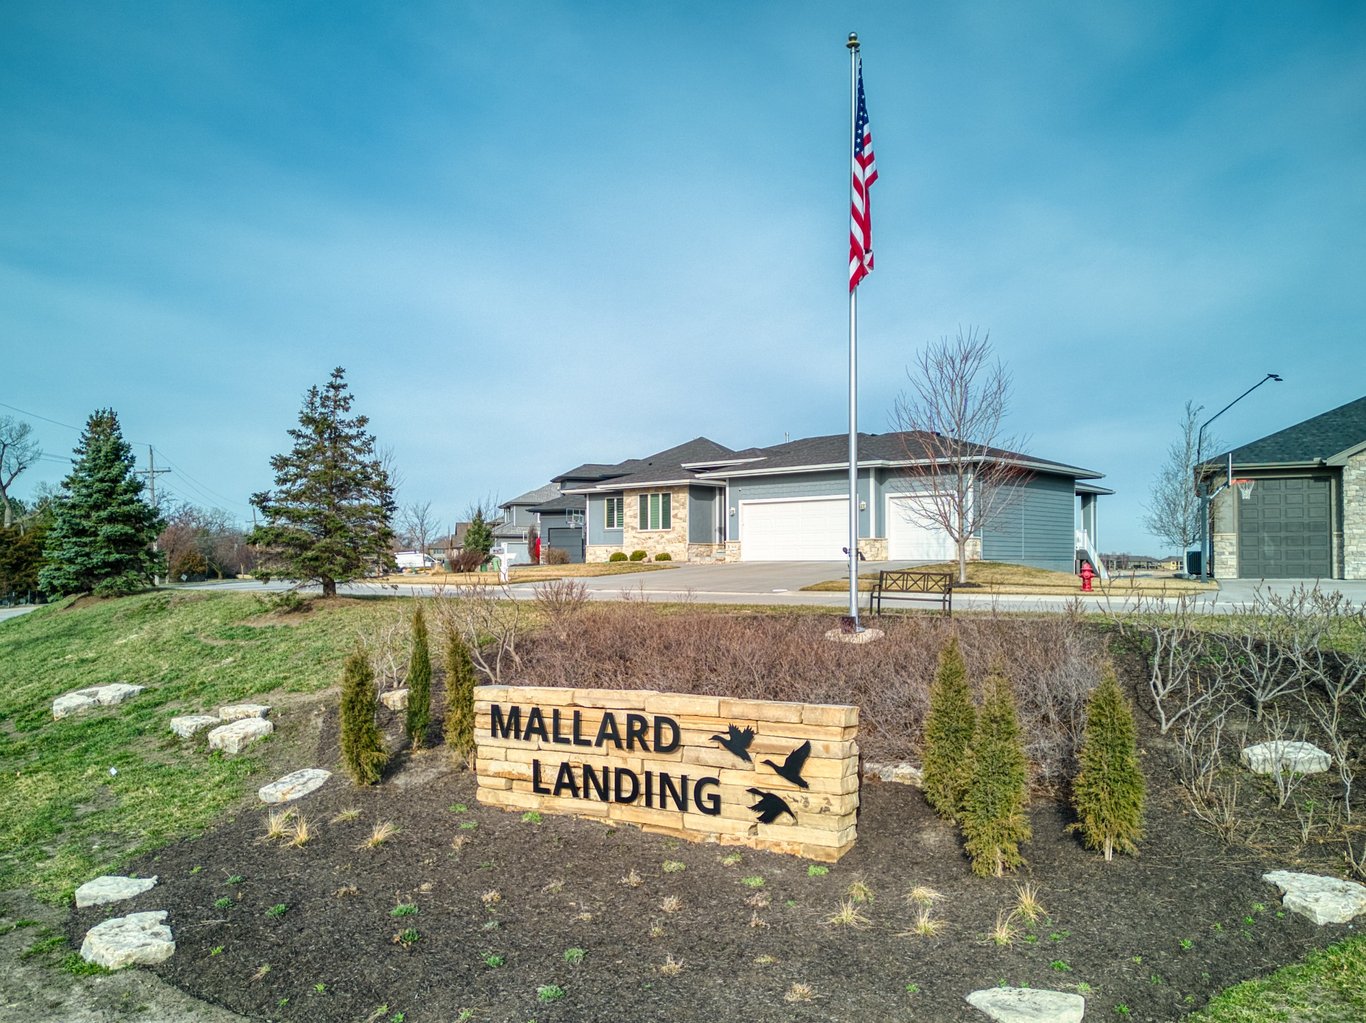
x=908, y=584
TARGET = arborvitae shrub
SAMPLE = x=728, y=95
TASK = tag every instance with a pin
x=419, y=683
x=617, y=556
x=1108, y=791
x=993, y=812
x=362, y=747
x=460, y=681
x=948, y=733
x=639, y=555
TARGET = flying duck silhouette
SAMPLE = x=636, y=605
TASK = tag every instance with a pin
x=792, y=766
x=770, y=807
x=737, y=741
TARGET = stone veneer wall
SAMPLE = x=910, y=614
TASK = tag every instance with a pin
x=1353, y=544
x=1223, y=535
x=825, y=813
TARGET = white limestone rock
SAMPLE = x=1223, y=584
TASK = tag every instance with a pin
x=901, y=774
x=136, y=939
x=93, y=696
x=395, y=699
x=236, y=736
x=186, y=725
x=1298, y=757
x=111, y=888
x=1324, y=900
x=1028, y=1005
x=292, y=786
x=238, y=711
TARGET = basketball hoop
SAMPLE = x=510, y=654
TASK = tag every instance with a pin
x=1244, y=488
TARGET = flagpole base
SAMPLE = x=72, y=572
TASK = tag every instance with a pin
x=840, y=635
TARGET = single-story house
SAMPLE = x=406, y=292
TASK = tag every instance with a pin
x=1303, y=516
x=702, y=501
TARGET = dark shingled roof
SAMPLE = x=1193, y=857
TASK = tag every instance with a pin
x=833, y=449
x=1314, y=440
x=563, y=503
x=663, y=465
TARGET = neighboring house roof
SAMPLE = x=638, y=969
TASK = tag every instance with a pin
x=832, y=451
x=1325, y=439
x=703, y=461
x=562, y=503
x=537, y=496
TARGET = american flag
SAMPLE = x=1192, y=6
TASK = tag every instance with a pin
x=860, y=212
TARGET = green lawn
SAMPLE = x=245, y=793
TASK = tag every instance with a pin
x=64, y=818
x=1328, y=986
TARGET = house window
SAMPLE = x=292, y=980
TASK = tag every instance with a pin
x=613, y=513
x=655, y=511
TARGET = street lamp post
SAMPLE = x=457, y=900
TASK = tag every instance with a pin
x=1202, y=488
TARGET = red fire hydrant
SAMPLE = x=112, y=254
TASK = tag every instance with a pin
x=1087, y=574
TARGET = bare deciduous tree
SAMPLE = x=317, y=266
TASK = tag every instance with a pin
x=416, y=524
x=1173, y=511
x=967, y=471
x=18, y=451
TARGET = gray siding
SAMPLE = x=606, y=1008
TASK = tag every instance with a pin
x=702, y=504
x=597, y=515
x=1038, y=528
x=807, y=484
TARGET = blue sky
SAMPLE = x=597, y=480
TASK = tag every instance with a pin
x=540, y=234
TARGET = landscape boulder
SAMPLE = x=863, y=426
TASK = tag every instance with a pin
x=186, y=725
x=1296, y=757
x=111, y=889
x=1028, y=1005
x=292, y=786
x=238, y=711
x=1324, y=900
x=93, y=696
x=395, y=699
x=236, y=736
x=136, y=939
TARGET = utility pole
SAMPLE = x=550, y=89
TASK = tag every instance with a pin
x=152, y=472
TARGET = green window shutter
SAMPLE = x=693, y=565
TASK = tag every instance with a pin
x=644, y=512
x=666, y=505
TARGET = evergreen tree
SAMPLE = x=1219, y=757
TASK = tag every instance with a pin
x=1108, y=791
x=362, y=747
x=948, y=733
x=419, y=683
x=993, y=815
x=102, y=532
x=479, y=534
x=460, y=680
x=328, y=520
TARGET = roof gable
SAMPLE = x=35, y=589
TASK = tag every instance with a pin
x=1319, y=439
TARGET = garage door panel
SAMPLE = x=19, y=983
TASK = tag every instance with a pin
x=1284, y=530
x=798, y=530
x=911, y=538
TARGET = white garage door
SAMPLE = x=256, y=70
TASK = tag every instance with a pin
x=909, y=538
x=811, y=529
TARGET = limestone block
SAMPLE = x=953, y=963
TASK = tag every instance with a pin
x=395, y=699
x=93, y=696
x=1324, y=900
x=1298, y=757
x=1028, y=1005
x=186, y=725
x=136, y=939
x=111, y=889
x=238, y=711
x=236, y=736
x=293, y=785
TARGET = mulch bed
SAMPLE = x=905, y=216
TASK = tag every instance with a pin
x=1145, y=938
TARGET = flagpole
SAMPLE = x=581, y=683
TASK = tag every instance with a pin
x=853, y=46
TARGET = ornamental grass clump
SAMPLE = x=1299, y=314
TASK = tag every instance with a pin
x=1108, y=791
x=362, y=747
x=993, y=817
x=948, y=733
x=459, y=699
x=419, y=683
